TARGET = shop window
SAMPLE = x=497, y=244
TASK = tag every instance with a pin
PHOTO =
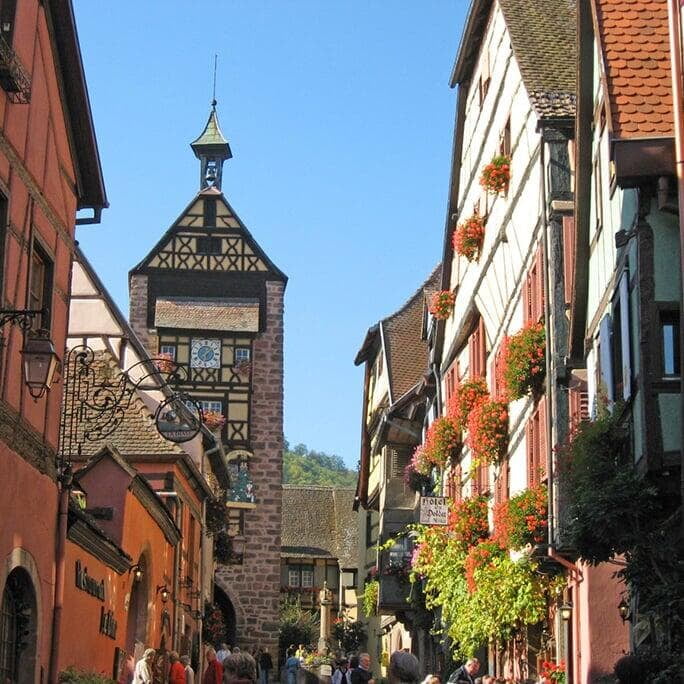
x=477, y=351
x=533, y=290
x=536, y=441
x=670, y=365
x=40, y=286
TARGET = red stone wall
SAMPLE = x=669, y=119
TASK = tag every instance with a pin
x=254, y=586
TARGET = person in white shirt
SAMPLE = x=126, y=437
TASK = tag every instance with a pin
x=189, y=672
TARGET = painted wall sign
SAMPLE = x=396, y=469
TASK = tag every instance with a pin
x=89, y=584
x=238, y=455
x=434, y=510
x=108, y=624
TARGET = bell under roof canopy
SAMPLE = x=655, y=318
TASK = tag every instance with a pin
x=211, y=139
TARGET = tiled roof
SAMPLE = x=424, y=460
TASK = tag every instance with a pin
x=543, y=37
x=319, y=522
x=407, y=353
x=137, y=434
x=635, y=43
x=234, y=315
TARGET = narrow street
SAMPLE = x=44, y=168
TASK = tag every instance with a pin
x=488, y=265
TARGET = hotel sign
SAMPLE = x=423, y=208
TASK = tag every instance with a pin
x=89, y=584
x=434, y=510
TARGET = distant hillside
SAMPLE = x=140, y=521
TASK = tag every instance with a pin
x=301, y=466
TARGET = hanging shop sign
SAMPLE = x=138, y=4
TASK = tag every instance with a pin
x=178, y=418
x=89, y=584
x=434, y=510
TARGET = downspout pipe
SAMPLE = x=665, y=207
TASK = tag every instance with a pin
x=65, y=482
x=674, y=20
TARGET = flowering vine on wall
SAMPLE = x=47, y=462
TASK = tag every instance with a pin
x=522, y=520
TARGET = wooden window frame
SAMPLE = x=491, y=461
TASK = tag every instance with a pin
x=502, y=486
x=451, y=380
x=505, y=143
x=42, y=299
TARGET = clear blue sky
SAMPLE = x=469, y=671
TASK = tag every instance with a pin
x=340, y=119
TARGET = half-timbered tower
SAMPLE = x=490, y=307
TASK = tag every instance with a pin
x=209, y=297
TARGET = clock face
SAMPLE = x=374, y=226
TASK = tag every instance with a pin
x=205, y=354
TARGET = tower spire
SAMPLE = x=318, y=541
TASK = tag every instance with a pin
x=211, y=148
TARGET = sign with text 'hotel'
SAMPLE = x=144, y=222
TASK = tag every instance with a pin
x=434, y=510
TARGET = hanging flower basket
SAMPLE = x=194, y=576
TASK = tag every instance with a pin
x=463, y=400
x=442, y=438
x=442, y=304
x=479, y=556
x=469, y=237
x=213, y=420
x=522, y=520
x=421, y=462
x=496, y=175
x=488, y=432
x=243, y=368
x=165, y=363
x=418, y=482
x=552, y=673
x=524, y=362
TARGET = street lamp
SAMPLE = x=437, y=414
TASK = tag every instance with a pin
x=41, y=362
x=623, y=609
x=137, y=572
x=566, y=611
x=163, y=591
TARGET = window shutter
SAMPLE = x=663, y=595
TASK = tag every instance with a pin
x=543, y=442
x=471, y=356
x=606, y=358
x=540, y=295
x=624, y=337
x=568, y=256
x=578, y=406
x=527, y=299
x=482, y=348
x=501, y=491
x=399, y=459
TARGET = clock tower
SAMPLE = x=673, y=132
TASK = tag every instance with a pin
x=210, y=298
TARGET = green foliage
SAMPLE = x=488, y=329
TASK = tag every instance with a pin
x=74, y=675
x=371, y=592
x=524, y=361
x=601, y=485
x=305, y=466
x=297, y=625
x=350, y=635
x=214, y=629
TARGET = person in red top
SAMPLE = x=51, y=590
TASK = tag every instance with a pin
x=177, y=672
x=214, y=672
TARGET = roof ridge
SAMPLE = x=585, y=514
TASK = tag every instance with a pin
x=412, y=298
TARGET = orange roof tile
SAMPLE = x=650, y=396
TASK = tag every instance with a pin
x=635, y=43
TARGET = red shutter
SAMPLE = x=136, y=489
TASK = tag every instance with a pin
x=457, y=474
x=501, y=491
x=482, y=348
x=527, y=299
x=539, y=314
x=543, y=442
x=568, y=256
x=578, y=406
x=529, y=446
x=472, y=361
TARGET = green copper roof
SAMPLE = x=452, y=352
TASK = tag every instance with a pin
x=211, y=135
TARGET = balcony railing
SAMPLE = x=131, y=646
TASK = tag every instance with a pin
x=13, y=77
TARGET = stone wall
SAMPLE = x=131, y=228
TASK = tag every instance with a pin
x=137, y=288
x=254, y=586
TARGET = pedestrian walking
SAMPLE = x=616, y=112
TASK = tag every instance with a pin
x=189, y=672
x=239, y=668
x=466, y=673
x=177, y=671
x=223, y=652
x=214, y=672
x=404, y=668
x=342, y=674
x=292, y=665
x=144, y=668
x=265, y=666
x=362, y=674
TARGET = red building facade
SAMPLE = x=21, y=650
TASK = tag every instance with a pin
x=49, y=170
